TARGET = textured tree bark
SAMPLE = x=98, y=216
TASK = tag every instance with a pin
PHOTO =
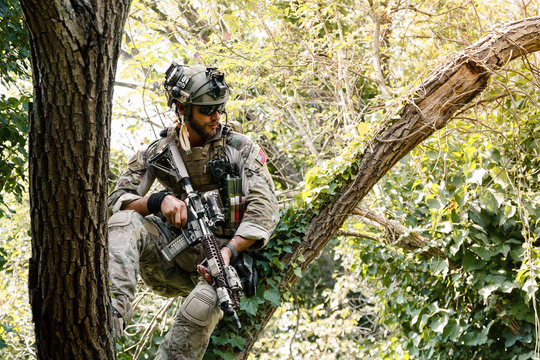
x=430, y=108
x=74, y=48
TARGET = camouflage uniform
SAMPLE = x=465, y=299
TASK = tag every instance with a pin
x=135, y=241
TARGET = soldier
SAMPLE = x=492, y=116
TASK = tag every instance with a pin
x=213, y=155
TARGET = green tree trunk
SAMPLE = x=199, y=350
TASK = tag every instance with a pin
x=74, y=50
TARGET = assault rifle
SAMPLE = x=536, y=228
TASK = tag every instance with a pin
x=201, y=219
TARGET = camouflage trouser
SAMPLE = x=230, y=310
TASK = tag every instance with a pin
x=134, y=247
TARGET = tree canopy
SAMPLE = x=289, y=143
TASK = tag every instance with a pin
x=404, y=143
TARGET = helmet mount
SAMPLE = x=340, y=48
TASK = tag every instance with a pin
x=195, y=85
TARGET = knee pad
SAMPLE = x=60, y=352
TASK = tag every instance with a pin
x=198, y=307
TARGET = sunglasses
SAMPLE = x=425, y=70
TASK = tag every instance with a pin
x=210, y=110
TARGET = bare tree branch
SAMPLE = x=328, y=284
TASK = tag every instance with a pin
x=399, y=236
x=356, y=234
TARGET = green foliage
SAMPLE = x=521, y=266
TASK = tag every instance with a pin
x=313, y=285
x=13, y=155
x=117, y=164
x=16, y=330
x=280, y=90
x=475, y=197
x=303, y=75
x=226, y=338
x=14, y=65
x=14, y=49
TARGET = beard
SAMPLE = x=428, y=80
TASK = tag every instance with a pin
x=200, y=130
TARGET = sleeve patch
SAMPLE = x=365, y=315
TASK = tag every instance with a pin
x=133, y=158
x=261, y=157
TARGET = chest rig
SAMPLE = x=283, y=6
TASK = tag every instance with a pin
x=209, y=170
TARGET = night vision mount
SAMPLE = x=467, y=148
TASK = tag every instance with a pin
x=218, y=87
x=186, y=84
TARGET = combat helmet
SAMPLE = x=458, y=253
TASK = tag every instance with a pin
x=195, y=85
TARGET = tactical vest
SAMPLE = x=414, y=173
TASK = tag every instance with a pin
x=196, y=164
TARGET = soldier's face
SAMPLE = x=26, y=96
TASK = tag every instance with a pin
x=204, y=125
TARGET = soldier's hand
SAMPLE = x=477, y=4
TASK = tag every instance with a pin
x=174, y=211
x=205, y=273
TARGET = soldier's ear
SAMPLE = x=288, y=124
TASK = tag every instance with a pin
x=180, y=108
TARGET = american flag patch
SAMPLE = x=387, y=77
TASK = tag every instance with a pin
x=261, y=157
x=133, y=158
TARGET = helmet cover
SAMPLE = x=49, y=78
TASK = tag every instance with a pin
x=195, y=85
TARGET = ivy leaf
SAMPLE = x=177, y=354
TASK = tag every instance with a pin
x=272, y=295
x=471, y=262
x=223, y=355
x=474, y=338
x=476, y=176
x=517, y=253
x=434, y=204
x=509, y=212
x=511, y=339
x=237, y=342
x=444, y=227
x=451, y=331
x=484, y=252
x=504, y=250
x=508, y=286
x=277, y=263
x=458, y=241
x=439, y=324
x=479, y=218
x=249, y=305
x=500, y=177
x=489, y=202
x=487, y=290
x=438, y=265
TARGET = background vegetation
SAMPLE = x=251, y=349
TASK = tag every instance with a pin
x=311, y=81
